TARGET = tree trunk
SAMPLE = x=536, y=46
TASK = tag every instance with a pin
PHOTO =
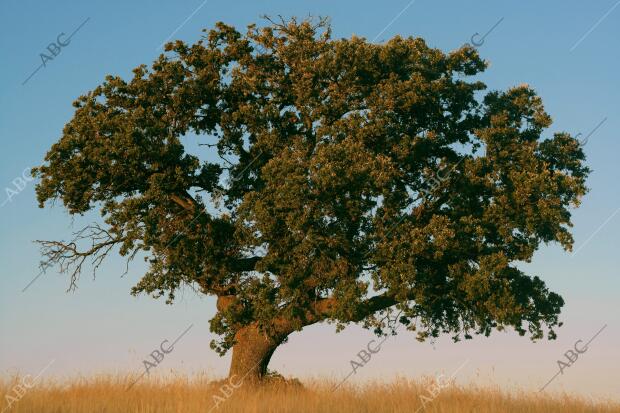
x=251, y=354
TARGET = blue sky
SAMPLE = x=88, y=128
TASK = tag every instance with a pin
x=566, y=50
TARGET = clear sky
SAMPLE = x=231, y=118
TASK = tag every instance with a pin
x=568, y=51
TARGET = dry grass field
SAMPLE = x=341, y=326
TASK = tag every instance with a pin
x=110, y=394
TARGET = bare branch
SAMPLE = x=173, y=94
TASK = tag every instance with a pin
x=71, y=260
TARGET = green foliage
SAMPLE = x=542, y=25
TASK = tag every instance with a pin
x=361, y=175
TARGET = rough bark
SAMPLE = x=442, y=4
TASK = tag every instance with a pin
x=253, y=349
x=251, y=354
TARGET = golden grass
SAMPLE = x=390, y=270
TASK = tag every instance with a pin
x=109, y=394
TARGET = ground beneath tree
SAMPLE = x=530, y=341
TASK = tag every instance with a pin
x=110, y=394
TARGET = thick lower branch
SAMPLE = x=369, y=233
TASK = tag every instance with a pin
x=186, y=202
x=324, y=308
x=253, y=348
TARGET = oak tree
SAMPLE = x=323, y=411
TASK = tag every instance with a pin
x=302, y=179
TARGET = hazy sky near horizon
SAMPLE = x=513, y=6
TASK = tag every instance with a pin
x=568, y=51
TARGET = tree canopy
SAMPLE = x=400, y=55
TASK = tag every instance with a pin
x=336, y=180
